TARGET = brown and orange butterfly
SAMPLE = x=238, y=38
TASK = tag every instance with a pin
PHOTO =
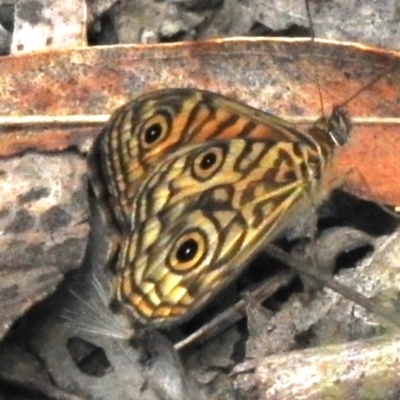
x=198, y=183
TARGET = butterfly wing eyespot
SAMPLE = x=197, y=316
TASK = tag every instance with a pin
x=188, y=251
x=155, y=130
x=208, y=163
x=152, y=133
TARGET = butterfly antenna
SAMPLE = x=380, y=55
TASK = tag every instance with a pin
x=369, y=84
x=312, y=35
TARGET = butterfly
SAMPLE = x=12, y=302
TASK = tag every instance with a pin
x=143, y=131
x=194, y=214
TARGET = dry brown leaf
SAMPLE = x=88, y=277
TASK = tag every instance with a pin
x=274, y=75
x=85, y=85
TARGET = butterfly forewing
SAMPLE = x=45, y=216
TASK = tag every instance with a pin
x=143, y=131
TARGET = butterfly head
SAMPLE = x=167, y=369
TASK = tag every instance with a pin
x=333, y=131
x=339, y=126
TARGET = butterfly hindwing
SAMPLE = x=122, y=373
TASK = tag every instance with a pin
x=200, y=216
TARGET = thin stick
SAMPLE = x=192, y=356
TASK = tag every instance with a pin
x=336, y=286
x=377, y=78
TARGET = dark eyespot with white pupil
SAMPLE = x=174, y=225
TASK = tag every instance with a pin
x=187, y=251
x=206, y=164
x=208, y=161
x=152, y=133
